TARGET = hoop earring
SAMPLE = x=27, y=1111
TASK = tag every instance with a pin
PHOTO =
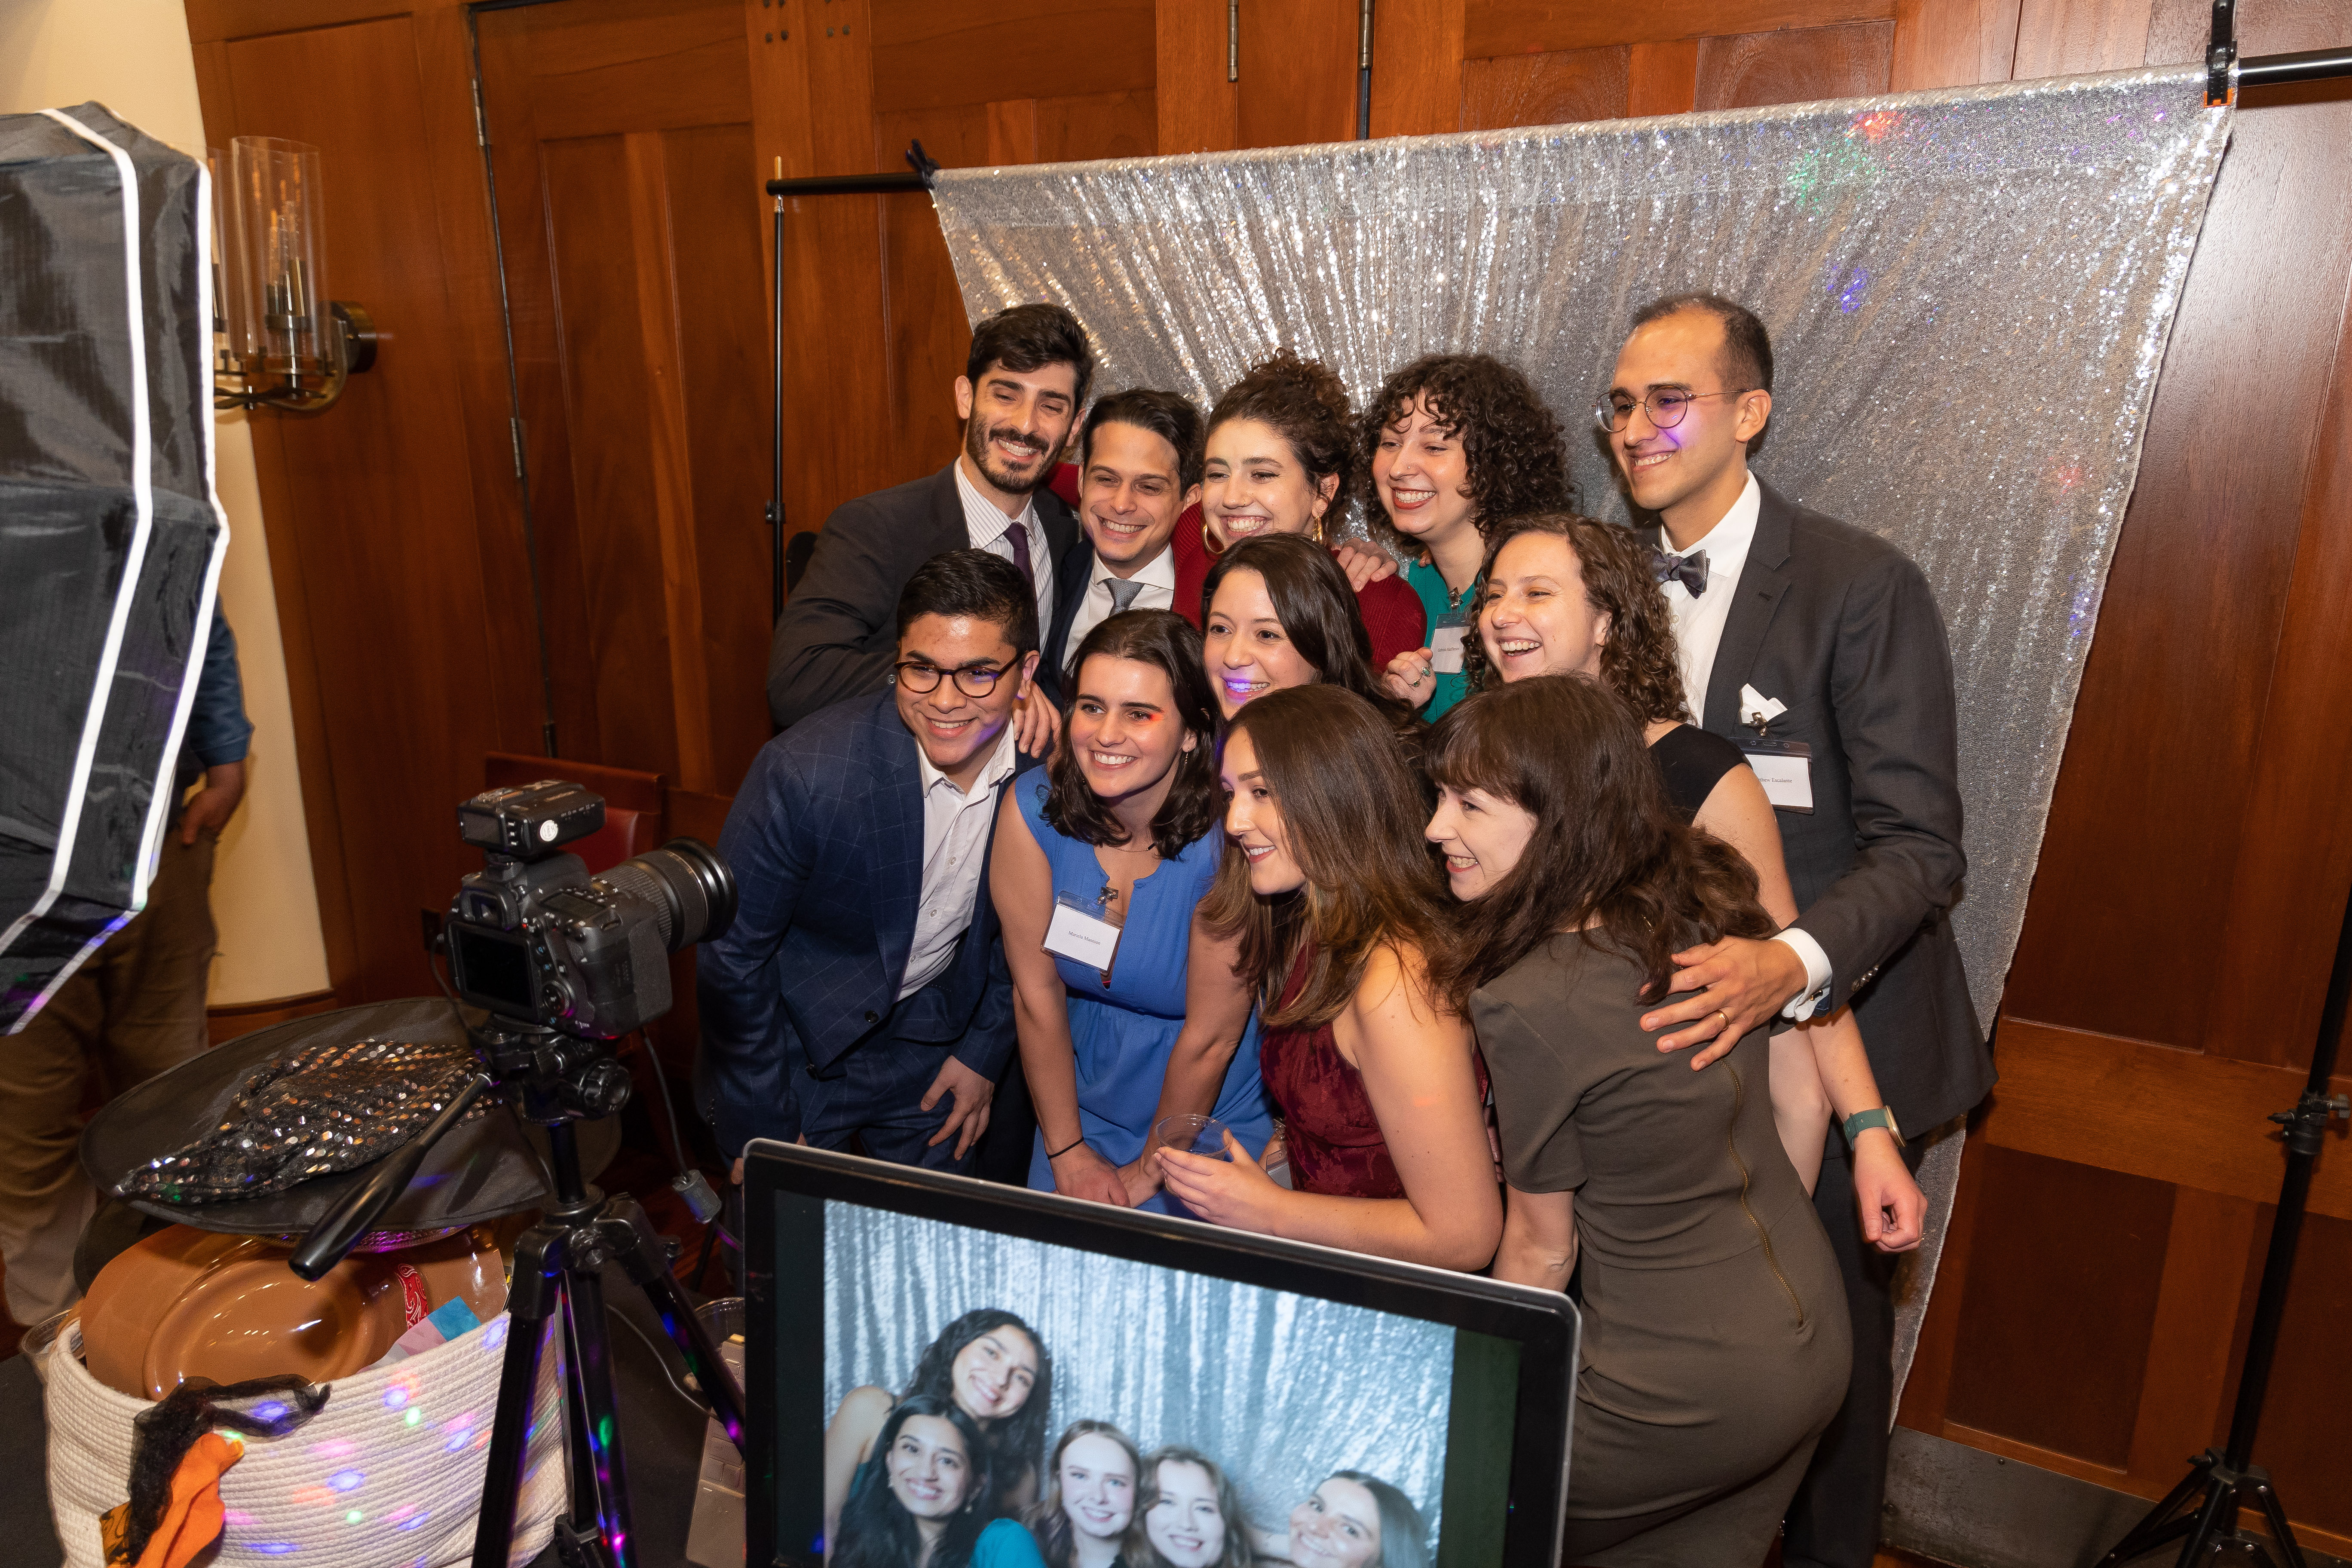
x=1209, y=542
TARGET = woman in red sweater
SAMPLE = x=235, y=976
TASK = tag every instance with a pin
x=1282, y=459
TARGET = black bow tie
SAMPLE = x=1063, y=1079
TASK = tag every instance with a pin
x=1690, y=570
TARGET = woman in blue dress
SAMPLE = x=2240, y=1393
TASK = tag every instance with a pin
x=1120, y=832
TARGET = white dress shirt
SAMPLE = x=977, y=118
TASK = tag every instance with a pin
x=1158, y=593
x=955, y=841
x=1698, y=622
x=1698, y=633
x=987, y=525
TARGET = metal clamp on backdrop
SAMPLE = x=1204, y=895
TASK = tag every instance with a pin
x=925, y=175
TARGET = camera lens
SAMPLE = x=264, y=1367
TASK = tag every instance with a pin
x=686, y=885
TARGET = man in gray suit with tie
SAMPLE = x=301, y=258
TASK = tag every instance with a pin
x=1818, y=645
x=1023, y=385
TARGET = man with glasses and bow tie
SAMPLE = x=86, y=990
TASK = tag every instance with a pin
x=1818, y=646
x=862, y=992
x=1025, y=382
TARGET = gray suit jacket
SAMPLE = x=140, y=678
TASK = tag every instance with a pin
x=1842, y=627
x=839, y=631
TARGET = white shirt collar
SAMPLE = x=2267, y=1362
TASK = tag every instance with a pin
x=1728, y=539
x=984, y=518
x=994, y=772
x=1160, y=572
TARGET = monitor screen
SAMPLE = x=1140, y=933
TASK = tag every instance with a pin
x=923, y=1346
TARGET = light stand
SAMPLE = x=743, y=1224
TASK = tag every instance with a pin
x=556, y=1081
x=815, y=185
x=2204, y=1506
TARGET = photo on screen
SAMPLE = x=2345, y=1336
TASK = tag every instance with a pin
x=1198, y=1422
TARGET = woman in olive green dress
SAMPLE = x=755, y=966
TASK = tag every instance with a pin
x=1716, y=1342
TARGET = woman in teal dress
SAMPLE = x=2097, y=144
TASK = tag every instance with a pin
x=1454, y=443
x=1118, y=836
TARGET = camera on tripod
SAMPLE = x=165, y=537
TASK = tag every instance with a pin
x=538, y=941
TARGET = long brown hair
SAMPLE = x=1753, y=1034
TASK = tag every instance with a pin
x=1168, y=644
x=1317, y=610
x=1352, y=818
x=1045, y=1517
x=1608, y=853
x=1638, y=662
x=1139, y=1549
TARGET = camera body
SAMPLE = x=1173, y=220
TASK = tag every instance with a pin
x=538, y=941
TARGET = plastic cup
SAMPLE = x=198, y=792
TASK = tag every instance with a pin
x=1193, y=1134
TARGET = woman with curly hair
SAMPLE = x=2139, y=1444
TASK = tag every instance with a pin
x=997, y=1374
x=1454, y=443
x=1117, y=832
x=1565, y=595
x=1281, y=458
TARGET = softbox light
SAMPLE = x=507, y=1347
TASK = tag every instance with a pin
x=110, y=536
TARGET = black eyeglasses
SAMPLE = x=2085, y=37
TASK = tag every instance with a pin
x=973, y=681
x=1666, y=407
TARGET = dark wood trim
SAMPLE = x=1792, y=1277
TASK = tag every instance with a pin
x=235, y=1019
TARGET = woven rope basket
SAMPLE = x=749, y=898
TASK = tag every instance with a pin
x=389, y=1474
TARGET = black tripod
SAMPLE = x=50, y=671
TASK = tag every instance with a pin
x=556, y=1081
x=2204, y=1506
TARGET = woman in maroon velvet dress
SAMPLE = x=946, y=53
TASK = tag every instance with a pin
x=1281, y=458
x=1336, y=907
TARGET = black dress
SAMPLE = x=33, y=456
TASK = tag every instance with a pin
x=1693, y=761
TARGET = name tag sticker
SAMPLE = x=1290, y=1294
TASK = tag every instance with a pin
x=1785, y=769
x=1445, y=651
x=1081, y=937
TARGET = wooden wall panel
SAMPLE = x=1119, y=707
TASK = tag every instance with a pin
x=384, y=551
x=2061, y=37
x=1418, y=67
x=930, y=53
x=2053, y=1338
x=2302, y=1439
x=1197, y=109
x=1298, y=72
x=1952, y=43
x=1524, y=26
x=1750, y=70
x=1544, y=90
x=2181, y=652
x=1663, y=77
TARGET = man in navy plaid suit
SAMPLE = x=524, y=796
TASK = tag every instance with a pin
x=861, y=992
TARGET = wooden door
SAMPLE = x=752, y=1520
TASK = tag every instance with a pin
x=2093, y=1302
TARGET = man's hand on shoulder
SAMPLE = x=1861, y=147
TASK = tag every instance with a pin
x=1741, y=983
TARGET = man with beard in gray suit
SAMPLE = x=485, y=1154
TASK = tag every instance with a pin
x=1024, y=385
x=1818, y=645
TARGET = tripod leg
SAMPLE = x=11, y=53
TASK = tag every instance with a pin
x=587, y=1290
x=2218, y=1517
x=530, y=1302
x=2157, y=1525
x=2275, y=1516
x=631, y=1236
x=586, y=1518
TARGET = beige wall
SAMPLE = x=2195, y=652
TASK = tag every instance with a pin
x=132, y=55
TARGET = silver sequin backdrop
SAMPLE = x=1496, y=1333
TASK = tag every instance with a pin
x=1281, y=1390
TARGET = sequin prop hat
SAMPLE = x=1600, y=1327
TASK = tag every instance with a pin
x=483, y=1169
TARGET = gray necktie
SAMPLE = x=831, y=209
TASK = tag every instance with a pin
x=1123, y=591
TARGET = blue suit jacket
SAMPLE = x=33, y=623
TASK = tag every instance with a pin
x=825, y=840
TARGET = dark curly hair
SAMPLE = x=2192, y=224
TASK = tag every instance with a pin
x=1511, y=440
x=1305, y=400
x=1015, y=1442
x=876, y=1532
x=1608, y=848
x=1172, y=645
x=1638, y=662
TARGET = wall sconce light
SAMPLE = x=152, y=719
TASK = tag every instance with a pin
x=284, y=343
